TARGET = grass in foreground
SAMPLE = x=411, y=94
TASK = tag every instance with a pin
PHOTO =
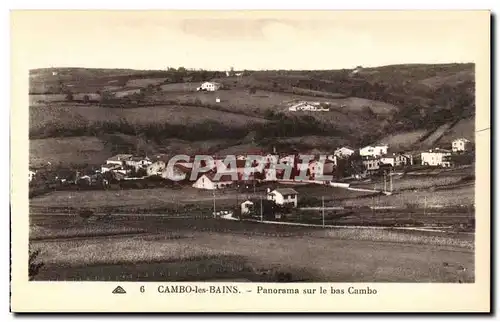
x=391, y=236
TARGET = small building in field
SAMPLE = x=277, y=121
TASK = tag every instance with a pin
x=436, y=157
x=308, y=106
x=460, y=145
x=247, y=207
x=209, y=86
x=283, y=197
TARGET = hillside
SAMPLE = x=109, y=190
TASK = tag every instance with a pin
x=407, y=106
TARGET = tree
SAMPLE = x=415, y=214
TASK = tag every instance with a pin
x=252, y=90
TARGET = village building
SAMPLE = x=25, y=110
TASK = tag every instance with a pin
x=436, y=157
x=319, y=168
x=208, y=182
x=119, y=159
x=209, y=86
x=138, y=162
x=344, y=152
x=283, y=197
x=110, y=167
x=373, y=151
x=371, y=164
x=460, y=145
x=397, y=159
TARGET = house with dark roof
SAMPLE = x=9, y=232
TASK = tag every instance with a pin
x=283, y=197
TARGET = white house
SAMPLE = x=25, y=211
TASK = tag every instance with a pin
x=371, y=163
x=436, y=157
x=209, y=86
x=246, y=207
x=283, y=196
x=119, y=159
x=344, y=151
x=460, y=145
x=373, y=151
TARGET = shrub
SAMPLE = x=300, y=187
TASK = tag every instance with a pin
x=34, y=266
x=86, y=214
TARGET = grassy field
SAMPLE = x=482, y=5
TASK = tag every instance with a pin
x=403, y=141
x=163, y=197
x=65, y=115
x=66, y=151
x=462, y=195
x=248, y=250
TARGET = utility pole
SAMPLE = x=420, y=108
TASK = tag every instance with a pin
x=385, y=183
x=214, y=203
x=323, y=210
x=390, y=180
x=425, y=205
x=373, y=206
x=261, y=210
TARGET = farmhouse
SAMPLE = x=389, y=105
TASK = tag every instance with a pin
x=283, y=197
x=373, y=151
x=344, y=151
x=209, y=86
x=308, y=106
x=436, y=157
x=119, y=159
x=460, y=145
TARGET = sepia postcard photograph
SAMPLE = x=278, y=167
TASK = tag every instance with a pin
x=316, y=160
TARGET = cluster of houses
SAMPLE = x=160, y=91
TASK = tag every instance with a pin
x=373, y=158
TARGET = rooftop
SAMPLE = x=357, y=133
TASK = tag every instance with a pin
x=285, y=191
x=120, y=157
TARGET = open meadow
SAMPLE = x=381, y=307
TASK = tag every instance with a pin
x=164, y=249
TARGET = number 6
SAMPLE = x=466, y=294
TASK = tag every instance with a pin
x=142, y=289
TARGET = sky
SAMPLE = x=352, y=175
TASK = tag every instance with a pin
x=243, y=40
